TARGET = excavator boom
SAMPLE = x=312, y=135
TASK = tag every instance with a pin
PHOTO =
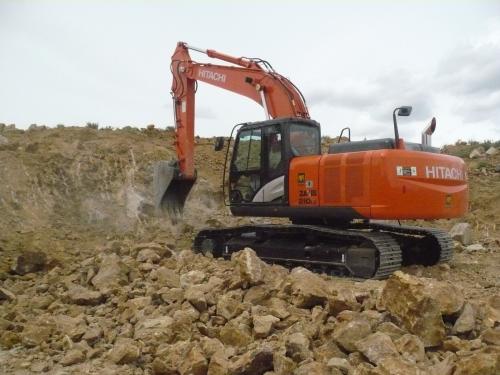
x=253, y=78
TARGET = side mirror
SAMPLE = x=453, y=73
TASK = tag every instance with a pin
x=405, y=110
x=218, y=143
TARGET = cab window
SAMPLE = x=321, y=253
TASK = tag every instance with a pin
x=304, y=140
x=248, y=153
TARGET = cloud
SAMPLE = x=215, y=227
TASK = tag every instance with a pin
x=470, y=76
x=205, y=113
x=377, y=98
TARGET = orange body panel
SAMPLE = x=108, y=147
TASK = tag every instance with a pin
x=382, y=184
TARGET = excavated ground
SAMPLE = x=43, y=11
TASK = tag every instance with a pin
x=91, y=281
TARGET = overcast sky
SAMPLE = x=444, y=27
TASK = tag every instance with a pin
x=71, y=62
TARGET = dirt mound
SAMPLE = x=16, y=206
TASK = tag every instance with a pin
x=91, y=281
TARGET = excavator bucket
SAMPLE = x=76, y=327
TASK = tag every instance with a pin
x=170, y=190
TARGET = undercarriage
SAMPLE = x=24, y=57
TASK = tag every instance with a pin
x=359, y=250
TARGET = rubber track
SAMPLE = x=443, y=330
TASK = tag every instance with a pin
x=443, y=239
x=389, y=252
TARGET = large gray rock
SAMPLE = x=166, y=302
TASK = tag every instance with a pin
x=476, y=153
x=462, y=233
x=3, y=140
x=492, y=151
x=466, y=321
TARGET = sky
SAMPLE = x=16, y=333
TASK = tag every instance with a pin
x=73, y=62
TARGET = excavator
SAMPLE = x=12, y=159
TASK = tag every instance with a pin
x=340, y=204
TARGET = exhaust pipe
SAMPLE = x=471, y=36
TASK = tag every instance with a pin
x=170, y=189
x=427, y=133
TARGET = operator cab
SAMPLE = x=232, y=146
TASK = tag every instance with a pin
x=261, y=156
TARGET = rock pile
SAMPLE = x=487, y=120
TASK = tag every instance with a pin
x=154, y=311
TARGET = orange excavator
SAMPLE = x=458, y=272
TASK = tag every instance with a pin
x=335, y=200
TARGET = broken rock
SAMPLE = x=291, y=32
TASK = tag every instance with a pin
x=462, y=233
x=112, y=273
x=253, y=362
x=466, y=321
x=297, y=347
x=376, y=347
x=306, y=288
x=250, y=267
x=406, y=298
x=263, y=325
x=82, y=296
x=348, y=333
x=124, y=351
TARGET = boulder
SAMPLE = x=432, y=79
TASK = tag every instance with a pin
x=392, y=330
x=3, y=140
x=406, y=298
x=37, y=333
x=219, y=364
x=229, y=307
x=340, y=363
x=166, y=277
x=376, y=347
x=148, y=255
x=306, y=288
x=466, y=321
x=449, y=296
x=28, y=262
x=474, y=248
x=492, y=311
x=492, y=151
x=462, y=233
x=194, y=363
x=411, y=348
x=112, y=273
x=235, y=335
x=192, y=278
x=263, y=325
x=249, y=265
x=348, y=333
x=82, y=296
x=159, y=328
x=124, y=351
x=196, y=298
x=297, y=347
x=72, y=357
x=256, y=362
x=476, y=153
x=478, y=364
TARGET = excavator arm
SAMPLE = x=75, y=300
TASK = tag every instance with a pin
x=253, y=78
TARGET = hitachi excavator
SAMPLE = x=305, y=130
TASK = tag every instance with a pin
x=336, y=202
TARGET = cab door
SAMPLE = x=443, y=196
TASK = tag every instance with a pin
x=246, y=166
